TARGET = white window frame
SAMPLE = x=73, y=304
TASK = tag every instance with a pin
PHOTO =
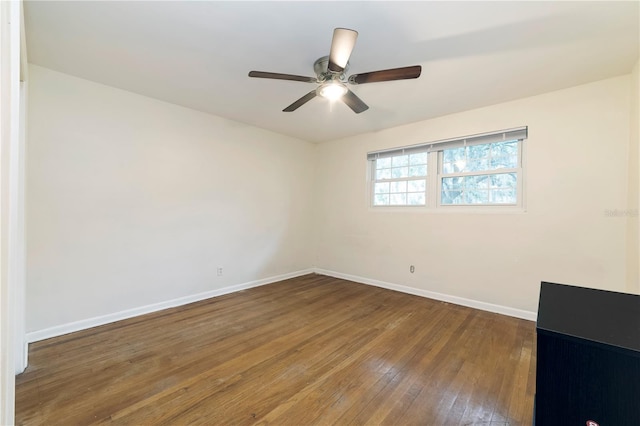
x=433, y=193
x=407, y=179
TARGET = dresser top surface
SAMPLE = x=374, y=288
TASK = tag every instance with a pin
x=601, y=316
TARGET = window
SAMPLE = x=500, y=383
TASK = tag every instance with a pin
x=479, y=170
x=400, y=180
x=480, y=174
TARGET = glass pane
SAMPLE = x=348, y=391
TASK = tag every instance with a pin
x=398, y=199
x=478, y=151
x=504, y=180
x=507, y=148
x=452, y=155
x=417, y=199
x=504, y=162
x=383, y=174
x=420, y=158
x=459, y=166
x=381, y=200
x=476, y=197
x=503, y=196
x=417, y=185
x=382, y=163
x=400, y=160
x=381, y=188
x=476, y=182
x=399, y=172
x=452, y=183
x=476, y=165
x=418, y=171
x=451, y=196
x=399, y=186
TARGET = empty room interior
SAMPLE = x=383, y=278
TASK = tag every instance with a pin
x=295, y=213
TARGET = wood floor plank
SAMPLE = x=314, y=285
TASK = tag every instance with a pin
x=309, y=350
x=259, y=358
x=419, y=370
x=399, y=362
x=343, y=391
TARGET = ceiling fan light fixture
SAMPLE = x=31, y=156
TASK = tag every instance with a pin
x=331, y=74
x=332, y=91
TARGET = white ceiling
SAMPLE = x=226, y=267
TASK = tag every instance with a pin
x=198, y=53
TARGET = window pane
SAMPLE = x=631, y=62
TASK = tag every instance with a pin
x=398, y=199
x=476, y=197
x=417, y=185
x=399, y=186
x=475, y=166
x=399, y=172
x=503, y=196
x=400, y=160
x=451, y=196
x=504, y=162
x=480, y=157
x=459, y=166
x=418, y=171
x=478, y=151
x=447, y=167
x=476, y=182
x=451, y=190
x=383, y=174
x=381, y=200
x=452, y=155
x=504, y=180
x=508, y=148
x=382, y=188
x=420, y=158
x=481, y=189
x=452, y=183
x=416, y=199
x=382, y=163
x=463, y=164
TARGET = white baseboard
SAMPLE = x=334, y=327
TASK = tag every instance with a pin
x=71, y=327
x=490, y=307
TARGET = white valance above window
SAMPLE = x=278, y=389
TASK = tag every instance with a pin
x=519, y=133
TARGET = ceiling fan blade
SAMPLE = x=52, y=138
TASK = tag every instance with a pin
x=404, y=73
x=354, y=102
x=303, y=100
x=341, y=47
x=278, y=76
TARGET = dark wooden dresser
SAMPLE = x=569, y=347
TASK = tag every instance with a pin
x=588, y=357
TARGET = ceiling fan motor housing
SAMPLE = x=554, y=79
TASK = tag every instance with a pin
x=321, y=68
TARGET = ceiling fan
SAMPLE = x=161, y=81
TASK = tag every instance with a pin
x=331, y=74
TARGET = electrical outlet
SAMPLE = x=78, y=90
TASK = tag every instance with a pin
x=219, y=271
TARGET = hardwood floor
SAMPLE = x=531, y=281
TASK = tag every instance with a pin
x=309, y=350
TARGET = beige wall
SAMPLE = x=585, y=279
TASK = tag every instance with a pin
x=133, y=201
x=633, y=238
x=576, y=159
